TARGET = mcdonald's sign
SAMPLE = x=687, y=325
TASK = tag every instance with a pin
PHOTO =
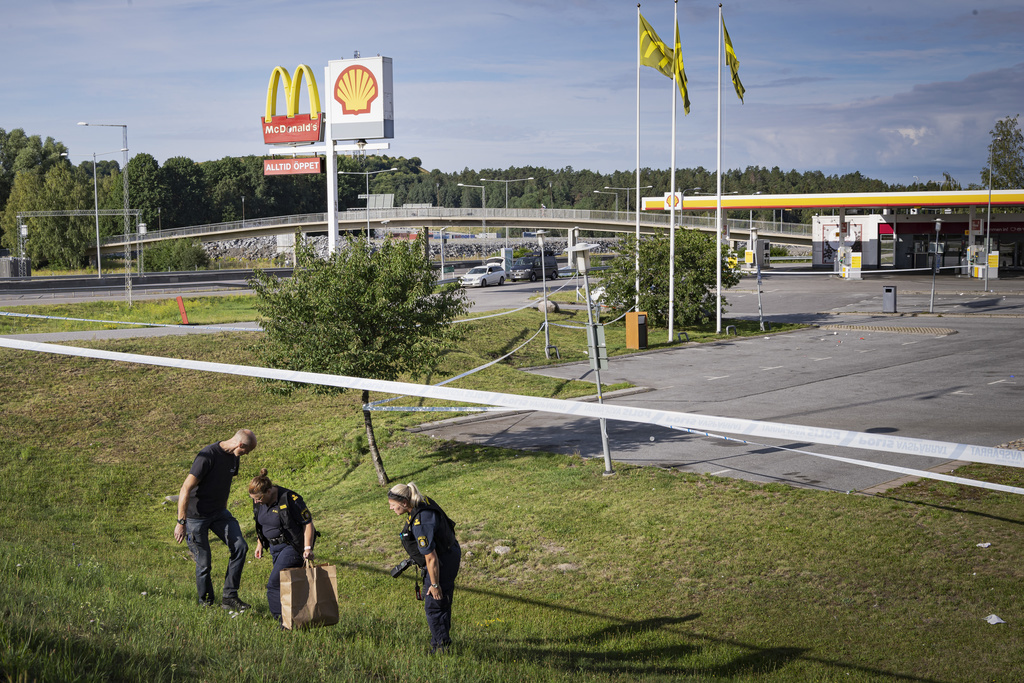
x=292, y=127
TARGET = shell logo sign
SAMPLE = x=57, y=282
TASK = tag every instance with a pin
x=361, y=105
x=355, y=89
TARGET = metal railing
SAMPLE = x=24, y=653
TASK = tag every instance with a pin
x=353, y=217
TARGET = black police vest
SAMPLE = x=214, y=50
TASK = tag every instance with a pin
x=291, y=529
x=444, y=534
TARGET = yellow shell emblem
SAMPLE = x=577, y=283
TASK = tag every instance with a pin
x=356, y=89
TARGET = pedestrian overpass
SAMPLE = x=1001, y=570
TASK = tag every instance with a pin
x=463, y=220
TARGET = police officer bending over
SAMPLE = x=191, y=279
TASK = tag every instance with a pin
x=285, y=527
x=429, y=538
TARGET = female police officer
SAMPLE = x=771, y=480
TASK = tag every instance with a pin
x=285, y=527
x=429, y=538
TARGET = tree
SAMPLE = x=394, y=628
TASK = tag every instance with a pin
x=695, y=278
x=1007, y=154
x=359, y=313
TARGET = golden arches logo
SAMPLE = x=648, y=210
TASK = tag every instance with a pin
x=356, y=89
x=291, y=92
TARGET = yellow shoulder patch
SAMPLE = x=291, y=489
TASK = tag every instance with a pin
x=417, y=522
x=423, y=541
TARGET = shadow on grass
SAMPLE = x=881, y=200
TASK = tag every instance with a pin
x=567, y=653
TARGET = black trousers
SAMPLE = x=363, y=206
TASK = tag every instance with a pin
x=439, y=612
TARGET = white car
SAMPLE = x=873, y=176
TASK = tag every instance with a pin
x=481, y=276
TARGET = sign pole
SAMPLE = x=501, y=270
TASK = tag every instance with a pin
x=331, y=157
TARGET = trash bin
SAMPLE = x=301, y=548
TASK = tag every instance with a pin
x=636, y=330
x=889, y=299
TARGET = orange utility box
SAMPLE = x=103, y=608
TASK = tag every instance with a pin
x=636, y=330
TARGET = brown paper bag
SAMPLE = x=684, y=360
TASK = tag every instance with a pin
x=309, y=596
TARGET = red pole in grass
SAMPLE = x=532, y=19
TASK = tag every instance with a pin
x=181, y=307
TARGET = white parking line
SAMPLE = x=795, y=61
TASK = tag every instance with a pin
x=774, y=367
x=715, y=474
x=821, y=359
x=962, y=393
x=1001, y=381
x=712, y=379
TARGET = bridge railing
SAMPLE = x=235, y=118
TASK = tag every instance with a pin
x=355, y=216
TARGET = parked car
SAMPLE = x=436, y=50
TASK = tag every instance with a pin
x=529, y=268
x=481, y=276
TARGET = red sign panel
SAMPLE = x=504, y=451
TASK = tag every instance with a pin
x=289, y=166
x=290, y=129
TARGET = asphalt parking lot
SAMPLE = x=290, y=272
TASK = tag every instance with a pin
x=957, y=375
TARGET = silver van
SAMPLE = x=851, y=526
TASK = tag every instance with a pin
x=529, y=268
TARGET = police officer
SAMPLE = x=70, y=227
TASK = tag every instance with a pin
x=285, y=527
x=429, y=538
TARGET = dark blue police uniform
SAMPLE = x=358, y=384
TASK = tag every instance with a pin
x=280, y=527
x=434, y=532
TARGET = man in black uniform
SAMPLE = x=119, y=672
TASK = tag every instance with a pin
x=202, y=507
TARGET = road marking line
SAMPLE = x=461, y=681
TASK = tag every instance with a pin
x=1001, y=381
x=962, y=393
x=908, y=343
x=711, y=379
x=715, y=474
x=820, y=359
x=774, y=367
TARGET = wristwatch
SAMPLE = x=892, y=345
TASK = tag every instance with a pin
x=181, y=522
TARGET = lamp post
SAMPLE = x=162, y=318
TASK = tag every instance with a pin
x=544, y=285
x=616, y=198
x=672, y=267
x=497, y=180
x=579, y=255
x=243, y=210
x=483, y=205
x=936, y=262
x=367, y=174
x=127, y=227
x=96, y=204
x=440, y=234
x=627, y=189
x=988, y=220
x=142, y=233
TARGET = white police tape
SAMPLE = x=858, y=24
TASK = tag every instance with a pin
x=664, y=418
x=875, y=465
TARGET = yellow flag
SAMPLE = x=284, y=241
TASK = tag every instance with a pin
x=653, y=50
x=734, y=64
x=680, y=74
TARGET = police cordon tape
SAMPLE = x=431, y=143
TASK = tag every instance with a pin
x=664, y=418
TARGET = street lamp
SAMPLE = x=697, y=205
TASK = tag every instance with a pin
x=579, y=257
x=440, y=234
x=616, y=198
x=988, y=221
x=243, y=210
x=483, y=205
x=627, y=189
x=367, y=174
x=544, y=285
x=96, y=203
x=127, y=227
x=936, y=263
x=517, y=180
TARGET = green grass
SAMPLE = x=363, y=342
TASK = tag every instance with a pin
x=649, y=575
x=200, y=311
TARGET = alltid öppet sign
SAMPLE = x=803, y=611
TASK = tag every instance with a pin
x=290, y=166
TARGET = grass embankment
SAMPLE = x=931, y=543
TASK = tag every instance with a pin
x=648, y=575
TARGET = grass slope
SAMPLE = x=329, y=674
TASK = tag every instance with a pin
x=649, y=575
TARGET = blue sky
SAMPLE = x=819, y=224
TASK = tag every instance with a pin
x=892, y=89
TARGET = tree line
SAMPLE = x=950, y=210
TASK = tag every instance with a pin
x=39, y=174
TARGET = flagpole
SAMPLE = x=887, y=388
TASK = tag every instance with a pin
x=672, y=202
x=718, y=203
x=637, y=249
